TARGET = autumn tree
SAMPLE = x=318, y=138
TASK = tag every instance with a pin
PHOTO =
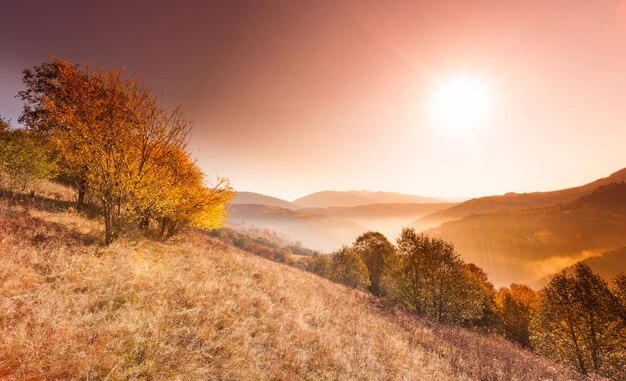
x=376, y=252
x=23, y=161
x=116, y=141
x=180, y=197
x=432, y=280
x=347, y=267
x=619, y=289
x=578, y=322
x=515, y=306
x=46, y=87
x=320, y=265
x=4, y=125
x=478, y=278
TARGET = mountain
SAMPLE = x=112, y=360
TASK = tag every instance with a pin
x=608, y=264
x=195, y=308
x=327, y=199
x=261, y=199
x=526, y=245
x=317, y=231
x=326, y=229
x=388, y=219
x=518, y=201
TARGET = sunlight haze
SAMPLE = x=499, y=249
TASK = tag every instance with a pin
x=335, y=95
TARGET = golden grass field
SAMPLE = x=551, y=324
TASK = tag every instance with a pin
x=195, y=309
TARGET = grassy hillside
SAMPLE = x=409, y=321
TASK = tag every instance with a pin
x=194, y=308
x=521, y=246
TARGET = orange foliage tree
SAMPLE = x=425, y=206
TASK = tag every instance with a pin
x=116, y=141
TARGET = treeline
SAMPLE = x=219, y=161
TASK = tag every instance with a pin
x=265, y=244
x=109, y=136
x=577, y=319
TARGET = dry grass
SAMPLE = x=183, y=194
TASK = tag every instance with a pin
x=195, y=309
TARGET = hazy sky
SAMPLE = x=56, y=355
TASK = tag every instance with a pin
x=291, y=97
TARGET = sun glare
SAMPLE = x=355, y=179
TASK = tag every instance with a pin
x=461, y=104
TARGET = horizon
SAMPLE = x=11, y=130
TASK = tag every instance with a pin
x=442, y=198
x=447, y=100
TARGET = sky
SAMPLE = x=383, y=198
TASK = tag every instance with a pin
x=292, y=97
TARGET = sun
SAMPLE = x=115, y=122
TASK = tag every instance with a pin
x=461, y=104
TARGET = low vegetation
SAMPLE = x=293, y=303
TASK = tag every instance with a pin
x=24, y=163
x=266, y=244
x=195, y=308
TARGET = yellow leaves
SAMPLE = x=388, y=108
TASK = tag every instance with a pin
x=209, y=217
x=114, y=136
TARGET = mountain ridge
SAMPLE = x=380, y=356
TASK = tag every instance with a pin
x=331, y=198
x=522, y=245
x=519, y=201
x=244, y=197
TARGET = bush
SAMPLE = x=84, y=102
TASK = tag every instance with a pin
x=347, y=267
x=23, y=162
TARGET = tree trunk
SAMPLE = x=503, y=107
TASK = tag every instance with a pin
x=80, y=202
x=162, y=228
x=594, y=343
x=144, y=223
x=108, y=234
x=173, y=228
x=577, y=350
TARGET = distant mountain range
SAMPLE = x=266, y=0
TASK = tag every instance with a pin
x=525, y=245
x=515, y=237
x=313, y=230
x=327, y=199
x=519, y=201
x=261, y=199
x=326, y=228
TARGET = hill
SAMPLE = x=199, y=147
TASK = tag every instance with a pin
x=194, y=308
x=261, y=199
x=326, y=229
x=518, y=201
x=327, y=199
x=388, y=219
x=608, y=265
x=317, y=231
x=527, y=245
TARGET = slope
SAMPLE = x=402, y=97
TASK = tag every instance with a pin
x=525, y=246
x=517, y=201
x=194, y=308
x=607, y=265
